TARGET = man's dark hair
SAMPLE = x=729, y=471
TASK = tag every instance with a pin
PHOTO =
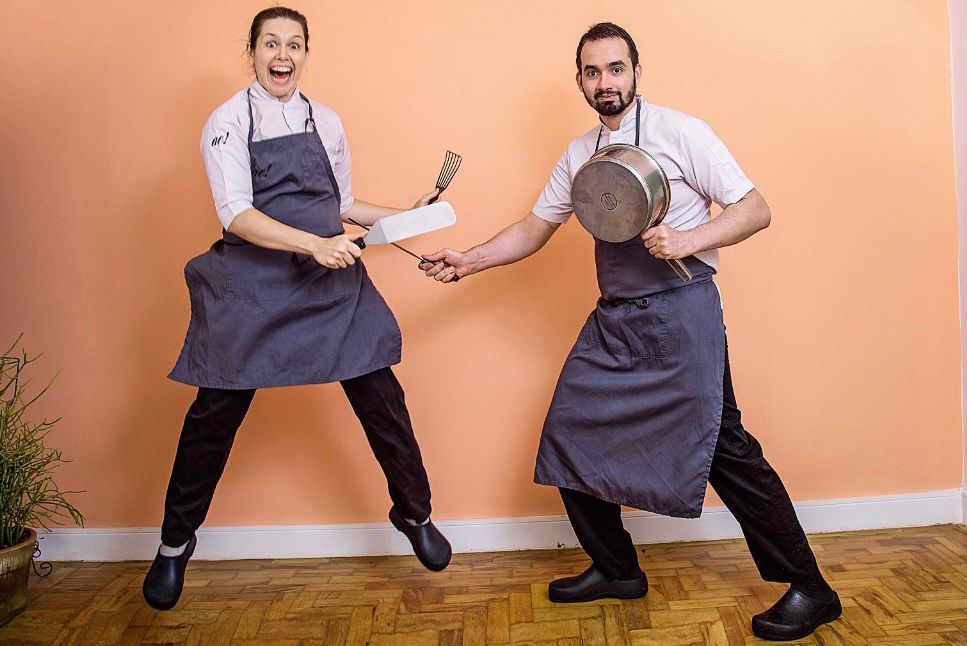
x=604, y=30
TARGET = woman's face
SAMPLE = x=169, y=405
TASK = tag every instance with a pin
x=280, y=56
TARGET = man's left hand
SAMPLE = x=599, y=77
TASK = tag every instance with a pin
x=666, y=243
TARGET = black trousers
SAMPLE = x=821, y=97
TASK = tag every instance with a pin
x=214, y=417
x=746, y=483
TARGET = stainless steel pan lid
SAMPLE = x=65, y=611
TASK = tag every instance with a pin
x=619, y=192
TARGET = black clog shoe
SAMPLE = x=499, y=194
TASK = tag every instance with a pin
x=592, y=584
x=794, y=616
x=166, y=578
x=429, y=545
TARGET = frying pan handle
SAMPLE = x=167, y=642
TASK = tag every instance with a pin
x=680, y=269
x=359, y=242
x=456, y=278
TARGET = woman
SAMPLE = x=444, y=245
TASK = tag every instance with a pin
x=283, y=299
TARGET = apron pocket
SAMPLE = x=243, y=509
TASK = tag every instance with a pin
x=258, y=274
x=636, y=329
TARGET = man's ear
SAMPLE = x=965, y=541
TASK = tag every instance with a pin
x=577, y=79
x=638, y=73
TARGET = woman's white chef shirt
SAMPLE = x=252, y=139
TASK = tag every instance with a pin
x=224, y=145
x=700, y=168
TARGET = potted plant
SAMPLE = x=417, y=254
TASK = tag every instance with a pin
x=28, y=496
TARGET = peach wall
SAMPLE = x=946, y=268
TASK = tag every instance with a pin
x=843, y=316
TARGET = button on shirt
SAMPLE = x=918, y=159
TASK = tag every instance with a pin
x=224, y=145
x=700, y=168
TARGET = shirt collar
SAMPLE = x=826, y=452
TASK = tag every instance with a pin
x=261, y=94
x=627, y=121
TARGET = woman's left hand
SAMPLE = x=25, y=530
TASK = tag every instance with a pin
x=425, y=200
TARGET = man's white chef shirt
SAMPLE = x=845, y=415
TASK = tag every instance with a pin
x=700, y=168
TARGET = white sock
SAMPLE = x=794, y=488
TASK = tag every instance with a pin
x=165, y=550
x=414, y=523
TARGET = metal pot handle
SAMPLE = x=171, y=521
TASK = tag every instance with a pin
x=680, y=269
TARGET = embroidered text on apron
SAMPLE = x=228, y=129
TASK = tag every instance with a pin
x=262, y=317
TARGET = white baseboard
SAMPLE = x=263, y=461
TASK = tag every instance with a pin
x=494, y=534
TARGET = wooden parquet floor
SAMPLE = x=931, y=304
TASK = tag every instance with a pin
x=904, y=586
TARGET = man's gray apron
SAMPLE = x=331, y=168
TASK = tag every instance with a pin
x=636, y=412
x=261, y=317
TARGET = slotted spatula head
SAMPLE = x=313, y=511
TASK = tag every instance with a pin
x=451, y=163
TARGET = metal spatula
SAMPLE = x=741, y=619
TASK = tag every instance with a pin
x=451, y=163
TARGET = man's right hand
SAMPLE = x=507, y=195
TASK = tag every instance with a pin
x=513, y=243
x=446, y=264
x=337, y=252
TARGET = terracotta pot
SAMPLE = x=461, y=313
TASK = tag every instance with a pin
x=14, y=572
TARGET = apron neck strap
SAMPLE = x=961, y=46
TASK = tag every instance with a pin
x=309, y=119
x=637, y=127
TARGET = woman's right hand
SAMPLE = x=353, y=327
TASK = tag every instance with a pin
x=337, y=252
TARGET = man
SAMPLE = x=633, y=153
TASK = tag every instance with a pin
x=644, y=412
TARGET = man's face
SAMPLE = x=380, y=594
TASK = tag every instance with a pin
x=606, y=78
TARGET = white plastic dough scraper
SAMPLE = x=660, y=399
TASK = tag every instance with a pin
x=407, y=224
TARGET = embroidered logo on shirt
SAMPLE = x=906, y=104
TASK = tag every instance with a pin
x=220, y=139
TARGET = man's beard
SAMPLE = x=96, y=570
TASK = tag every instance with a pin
x=613, y=107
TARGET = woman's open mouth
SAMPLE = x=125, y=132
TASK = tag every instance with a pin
x=280, y=73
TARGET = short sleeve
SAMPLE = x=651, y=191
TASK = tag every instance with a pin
x=554, y=204
x=709, y=167
x=224, y=149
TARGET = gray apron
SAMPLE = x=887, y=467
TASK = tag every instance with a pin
x=636, y=412
x=262, y=317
